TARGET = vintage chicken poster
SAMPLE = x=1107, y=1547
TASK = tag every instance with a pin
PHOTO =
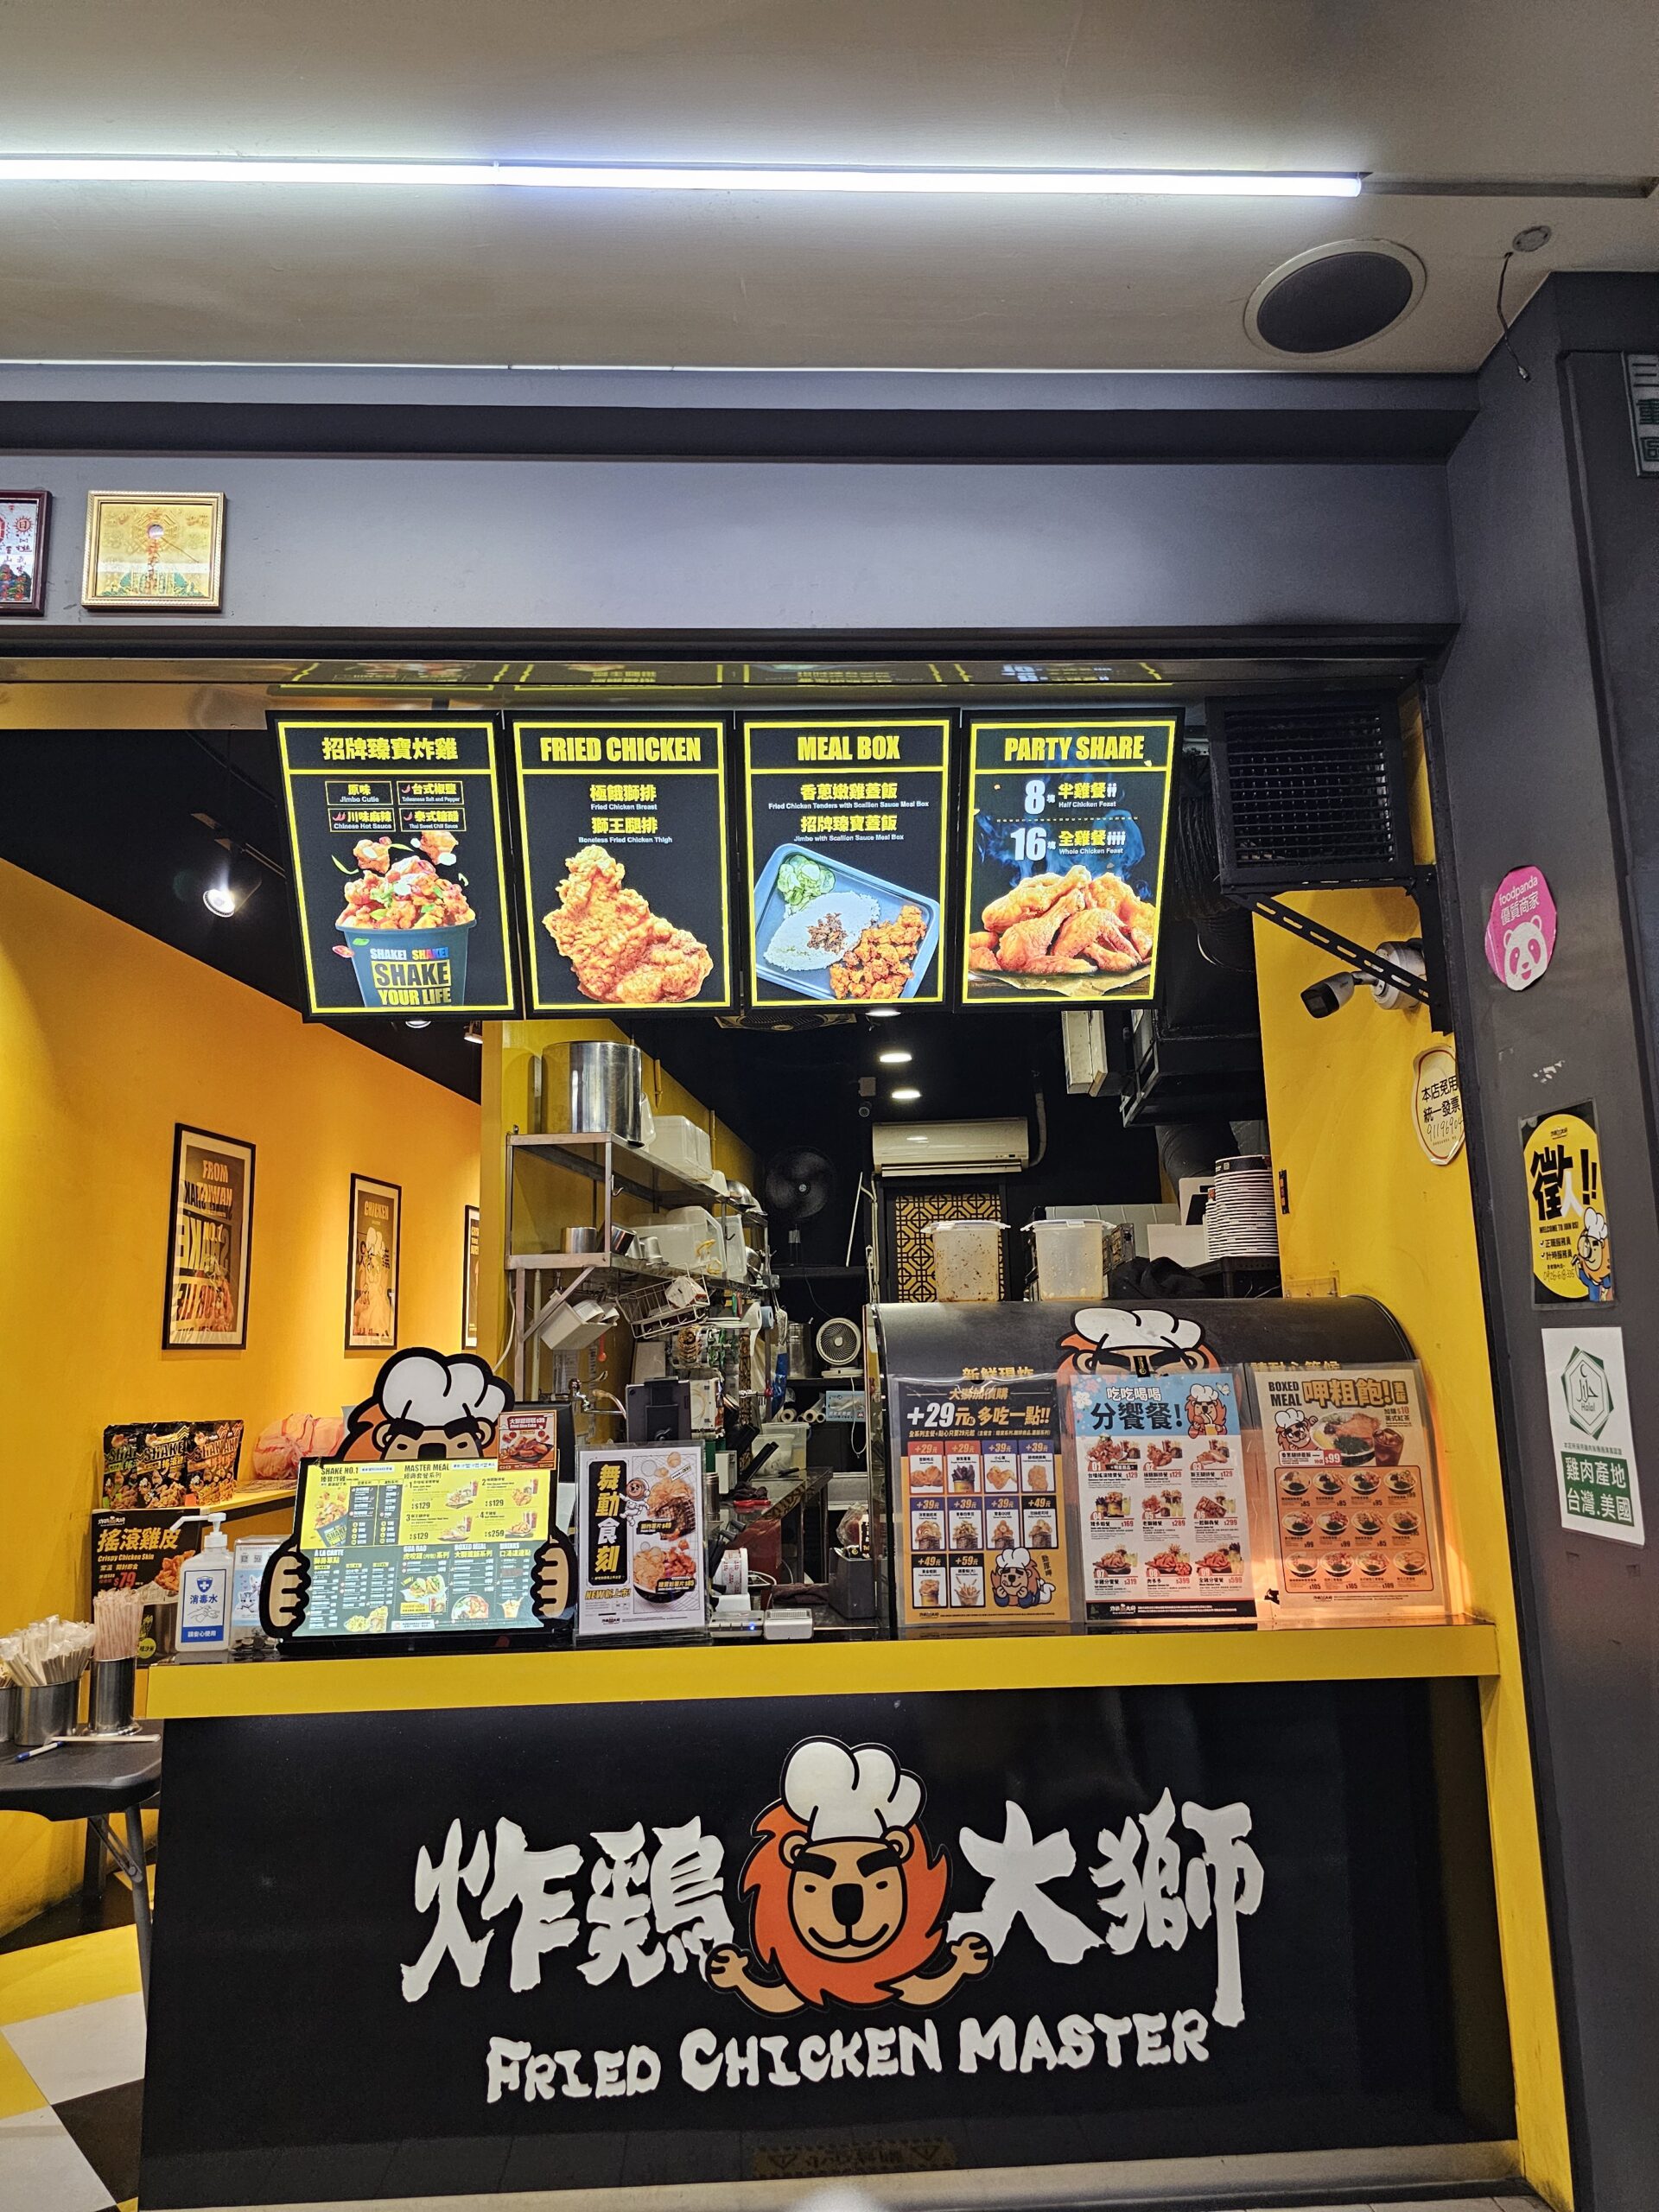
x=1158, y=1465
x=399, y=865
x=623, y=848
x=846, y=821
x=210, y=1245
x=980, y=1534
x=1063, y=857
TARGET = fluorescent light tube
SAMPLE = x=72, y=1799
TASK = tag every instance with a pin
x=581, y=176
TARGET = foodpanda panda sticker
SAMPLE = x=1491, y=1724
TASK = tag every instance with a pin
x=1521, y=929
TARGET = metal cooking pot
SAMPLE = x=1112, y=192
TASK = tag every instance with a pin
x=584, y=1240
x=607, y=1090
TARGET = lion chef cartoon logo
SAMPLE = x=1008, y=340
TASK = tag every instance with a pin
x=1132, y=1340
x=846, y=1896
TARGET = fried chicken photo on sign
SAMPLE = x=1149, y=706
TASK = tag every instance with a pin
x=881, y=963
x=622, y=953
x=1069, y=924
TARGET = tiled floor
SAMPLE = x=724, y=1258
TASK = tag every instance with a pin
x=71, y=2088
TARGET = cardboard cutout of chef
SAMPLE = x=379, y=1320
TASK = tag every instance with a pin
x=423, y=1406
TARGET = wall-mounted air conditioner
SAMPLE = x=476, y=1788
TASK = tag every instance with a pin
x=950, y=1148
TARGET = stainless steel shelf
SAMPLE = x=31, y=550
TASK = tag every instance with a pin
x=624, y=1270
x=643, y=1178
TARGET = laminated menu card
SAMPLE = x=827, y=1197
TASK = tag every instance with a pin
x=639, y=1541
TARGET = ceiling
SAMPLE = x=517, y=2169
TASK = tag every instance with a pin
x=1404, y=89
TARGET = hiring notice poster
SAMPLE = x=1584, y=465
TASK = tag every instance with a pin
x=623, y=849
x=399, y=865
x=847, y=830
x=1064, y=858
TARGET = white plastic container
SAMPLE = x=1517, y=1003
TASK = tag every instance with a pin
x=1071, y=1258
x=204, y=1630
x=967, y=1257
x=682, y=1146
x=692, y=1239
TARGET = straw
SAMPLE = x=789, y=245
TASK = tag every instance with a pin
x=116, y=1617
x=47, y=1652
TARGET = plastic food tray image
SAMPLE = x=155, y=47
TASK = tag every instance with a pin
x=772, y=911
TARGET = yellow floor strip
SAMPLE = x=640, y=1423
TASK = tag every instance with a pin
x=17, y=2089
x=81, y=1970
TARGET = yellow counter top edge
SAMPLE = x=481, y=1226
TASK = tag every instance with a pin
x=666, y=1673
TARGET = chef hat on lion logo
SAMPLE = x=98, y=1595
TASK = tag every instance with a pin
x=1136, y=1340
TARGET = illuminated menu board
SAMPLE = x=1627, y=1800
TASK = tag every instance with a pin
x=1063, y=857
x=399, y=864
x=623, y=848
x=420, y=1546
x=846, y=864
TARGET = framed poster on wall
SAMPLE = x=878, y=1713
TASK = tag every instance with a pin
x=153, y=548
x=399, y=854
x=623, y=845
x=210, y=1242
x=846, y=857
x=469, y=1231
x=1063, y=857
x=371, y=1265
x=23, y=517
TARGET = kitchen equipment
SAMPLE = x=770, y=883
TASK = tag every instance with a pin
x=736, y=1261
x=45, y=1714
x=840, y=1345
x=648, y=1251
x=659, y=1412
x=682, y=1146
x=1242, y=1220
x=1071, y=1258
x=968, y=1261
x=109, y=1707
x=622, y=1242
x=607, y=1091
x=577, y=1239
x=690, y=1238
x=574, y=1324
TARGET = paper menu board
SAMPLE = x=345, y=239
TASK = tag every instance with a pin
x=399, y=869
x=847, y=839
x=1348, y=1461
x=1163, y=1514
x=640, y=1555
x=980, y=1522
x=420, y=1546
x=623, y=853
x=1063, y=857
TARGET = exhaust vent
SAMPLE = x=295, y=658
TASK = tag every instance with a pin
x=1310, y=792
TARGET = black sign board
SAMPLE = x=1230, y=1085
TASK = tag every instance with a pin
x=1064, y=858
x=625, y=869
x=847, y=828
x=396, y=834
x=578, y=1946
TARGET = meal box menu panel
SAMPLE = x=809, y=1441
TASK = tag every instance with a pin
x=1350, y=1465
x=980, y=1525
x=420, y=1544
x=1064, y=858
x=1165, y=1520
x=623, y=848
x=846, y=823
x=639, y=1541
x=400, y=874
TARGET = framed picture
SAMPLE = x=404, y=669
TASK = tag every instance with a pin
x=371, y=1265
x=23, y=518
x=210, y=1242
x=153, y=548
x=469, y=1278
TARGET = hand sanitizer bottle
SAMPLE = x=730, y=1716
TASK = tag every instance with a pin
x=204, y=1630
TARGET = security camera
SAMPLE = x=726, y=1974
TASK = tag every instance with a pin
x=1325, y=997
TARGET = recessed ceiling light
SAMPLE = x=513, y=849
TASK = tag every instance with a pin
x=419, y=1023
x=883, y=1012
x=904, y=1098
x=896, y=1058
x=661, y=177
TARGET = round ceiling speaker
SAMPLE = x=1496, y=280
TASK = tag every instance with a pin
x=1334, y=297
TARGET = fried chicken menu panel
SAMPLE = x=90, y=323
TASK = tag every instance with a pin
x=846, y=864
x=981, y=1522
x=1350, y=1461
x=399, y=864
x=1063, y=857
x=639, y=1541
x=623, y=847
x=420, y=1544
x=1166, y=1521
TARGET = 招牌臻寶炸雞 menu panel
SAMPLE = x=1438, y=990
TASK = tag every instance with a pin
x=421, y=1544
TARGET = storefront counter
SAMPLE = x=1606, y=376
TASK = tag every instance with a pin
x=748, y=1917
x=910, y=1666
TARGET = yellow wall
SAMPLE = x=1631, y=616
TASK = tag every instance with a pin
x=1368, y=1206
x=107, y=1038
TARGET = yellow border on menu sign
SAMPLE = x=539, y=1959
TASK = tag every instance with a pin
x=532, y=922
x=402, y=725
x=1171, y=724
x=940, y=723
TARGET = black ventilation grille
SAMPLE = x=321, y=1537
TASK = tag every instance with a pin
x=1310, y=792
